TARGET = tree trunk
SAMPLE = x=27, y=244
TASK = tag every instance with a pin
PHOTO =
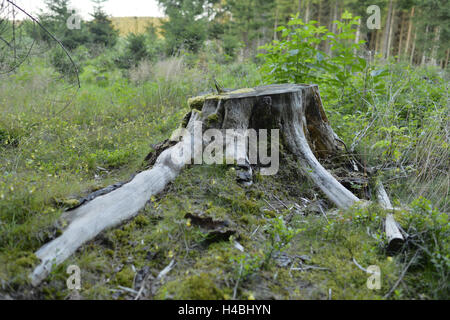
x=435, y=46
x=385, y=48
x=400, y=42
x=424, y=50
x=333, y=26
x=408, y=38
x=307, y=11
x=319, y=13
x=358, y=34
x=275, y=27
x=413, y=49
x=446, y=58
x=377, y=40
x=295, y=110
x=391, y=34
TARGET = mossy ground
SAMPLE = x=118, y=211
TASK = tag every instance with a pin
x=206, y=269
x=103, y=137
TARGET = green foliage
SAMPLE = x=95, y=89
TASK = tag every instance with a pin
x=429, y=233
x=186, y=27
x=55, y=21
x=280, y=236
x=101, y=29
x=250, y=17
x=135, y=51
x=245, y=265
x=295, y=58
x=392, y=114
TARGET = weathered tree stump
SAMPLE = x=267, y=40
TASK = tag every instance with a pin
x=296, y=110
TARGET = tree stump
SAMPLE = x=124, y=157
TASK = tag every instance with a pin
x=295, y=109
x=298, y=112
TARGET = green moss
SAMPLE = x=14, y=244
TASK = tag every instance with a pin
x=196, y=287
x=243, y=90
x=27, y=261
x=141, y=220
x=196, y=102
x=212, y=118
x=125, y=277
x=68, y=203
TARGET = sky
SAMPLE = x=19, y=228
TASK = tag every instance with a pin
x=116, y=8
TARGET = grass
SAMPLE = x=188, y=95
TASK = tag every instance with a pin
x=48, y=159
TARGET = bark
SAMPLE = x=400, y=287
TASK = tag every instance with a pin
x=446, y=58
x=333, y=26
x=393, y=234
x=387, y=30
x=413, y=48
x=307, y=11
x=424, y=50
x=296, y=110
x=400, y=42
x=408, y=38
x=319, y=13
x=435, y=46
x=391, y=34
x=275, y=27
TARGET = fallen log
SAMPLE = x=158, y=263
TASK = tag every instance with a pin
x=394, y=236
x=296, y=110
x=109, y=210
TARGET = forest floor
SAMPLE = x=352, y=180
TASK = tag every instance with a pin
x=218, y=239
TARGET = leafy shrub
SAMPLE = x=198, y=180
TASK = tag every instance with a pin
x=296, y=58
x=135, y=51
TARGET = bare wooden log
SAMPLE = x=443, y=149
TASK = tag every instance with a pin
x=393, y=234
x=296, y=110
x=111, y=209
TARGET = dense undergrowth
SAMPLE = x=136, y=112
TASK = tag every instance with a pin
x=393, y=115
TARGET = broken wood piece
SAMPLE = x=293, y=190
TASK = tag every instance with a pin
x=111, y=209
x=394, y=236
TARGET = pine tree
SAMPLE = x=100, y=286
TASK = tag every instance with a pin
x=187, y=24
x=55, y=21
x=101, y=29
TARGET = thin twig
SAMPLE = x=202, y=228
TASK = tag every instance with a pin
x=127, y=289
x=359, y=266
x=401, y=275
x=271, y=205
x=237, y=282
x=166, y=270
x=52, y=36
x=281, y=202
